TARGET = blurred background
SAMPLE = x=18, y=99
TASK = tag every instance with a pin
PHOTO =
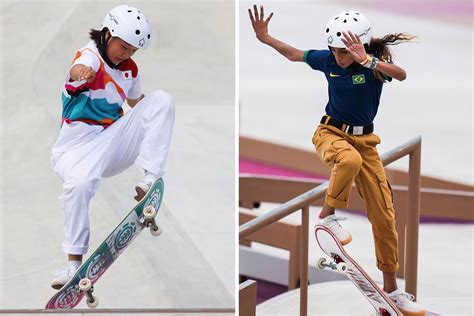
x=192, y=57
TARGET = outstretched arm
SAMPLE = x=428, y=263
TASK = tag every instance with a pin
x=260, y=26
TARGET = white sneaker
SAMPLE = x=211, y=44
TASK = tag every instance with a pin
x=332, y=222
x=64, y=274
x=405, y=303
x=144, y=186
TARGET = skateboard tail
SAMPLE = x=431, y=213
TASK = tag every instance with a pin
x=329, y=243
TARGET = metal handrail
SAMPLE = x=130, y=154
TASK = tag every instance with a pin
x=303, y=201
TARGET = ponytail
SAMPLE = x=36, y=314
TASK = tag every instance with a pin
x=379, y=48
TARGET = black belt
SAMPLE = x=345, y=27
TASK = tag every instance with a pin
x=346, y=128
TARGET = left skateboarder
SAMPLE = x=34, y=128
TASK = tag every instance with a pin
x=96, y=138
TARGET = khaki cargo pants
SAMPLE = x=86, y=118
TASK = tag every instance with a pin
x=355, y=158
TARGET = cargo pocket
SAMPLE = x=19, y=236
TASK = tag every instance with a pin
x=385, y=188
x=359, y=188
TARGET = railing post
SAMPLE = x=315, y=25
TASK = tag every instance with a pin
x=413, y=221
x=401, y=225
x=304, y=261
x=248, y=298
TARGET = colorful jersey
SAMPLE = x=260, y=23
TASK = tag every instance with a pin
x=99, y=102
x=354, y=92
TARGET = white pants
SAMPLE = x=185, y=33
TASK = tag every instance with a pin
x=141, y=136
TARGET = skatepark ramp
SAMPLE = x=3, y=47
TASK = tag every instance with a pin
x=407, y=222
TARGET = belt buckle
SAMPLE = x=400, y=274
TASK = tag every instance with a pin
x=357, y=130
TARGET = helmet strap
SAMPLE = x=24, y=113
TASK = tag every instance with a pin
x=102, y=47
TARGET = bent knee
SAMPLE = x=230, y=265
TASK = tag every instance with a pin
x=350, y=159
x=164, y=98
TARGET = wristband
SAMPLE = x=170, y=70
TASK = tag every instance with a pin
x=366, y=60
x=372, y=64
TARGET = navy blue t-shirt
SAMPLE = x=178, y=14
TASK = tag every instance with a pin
x=354, y=93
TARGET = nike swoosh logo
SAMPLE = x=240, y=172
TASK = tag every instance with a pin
x=333, y=75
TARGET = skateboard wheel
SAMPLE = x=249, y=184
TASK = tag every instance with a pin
x=155, y=230
x=321, y=263
x=341, y=267
x=94, y=303
x=149, y=212
x=85, y=285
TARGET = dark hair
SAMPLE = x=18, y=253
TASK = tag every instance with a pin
x=95, y=35
x=379, y=47
x=99, y=38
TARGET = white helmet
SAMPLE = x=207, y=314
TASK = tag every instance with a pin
x=346, y=21
x=129, y=24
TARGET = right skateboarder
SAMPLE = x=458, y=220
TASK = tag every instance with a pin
x=356, y=66
x=97, y=139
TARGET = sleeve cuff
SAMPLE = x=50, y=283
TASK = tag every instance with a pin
x=305, y=56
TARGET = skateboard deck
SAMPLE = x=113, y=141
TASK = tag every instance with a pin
x=329, y=243
x=108, y=251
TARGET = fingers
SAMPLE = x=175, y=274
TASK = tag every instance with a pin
x=257, y=16
x=81, y=73
x=87, y=73
x=90, y=75
x=255, y=12
x=252, y=20
x=354, y=38
x=346, y=40
x=350, y=39
x=251, y=16
x=269, y=18
x=358, y=39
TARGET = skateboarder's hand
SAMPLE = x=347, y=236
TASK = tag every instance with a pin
x=87, y=74
x=259, y=23
x=354, y=46
x=82, y=72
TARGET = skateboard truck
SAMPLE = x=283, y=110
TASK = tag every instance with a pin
x=85, y=285
x=322, y=263
x=149, y=214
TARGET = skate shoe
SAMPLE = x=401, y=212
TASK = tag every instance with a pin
x=64, y=274
x=144, y=186
x=332, y=222
x=405, y=303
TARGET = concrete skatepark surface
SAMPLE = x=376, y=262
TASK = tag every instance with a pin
x=191, y=265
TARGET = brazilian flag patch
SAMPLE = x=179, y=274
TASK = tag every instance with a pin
x=358, y=79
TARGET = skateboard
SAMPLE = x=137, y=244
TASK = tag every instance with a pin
x=341, y=261
x=82, y=283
